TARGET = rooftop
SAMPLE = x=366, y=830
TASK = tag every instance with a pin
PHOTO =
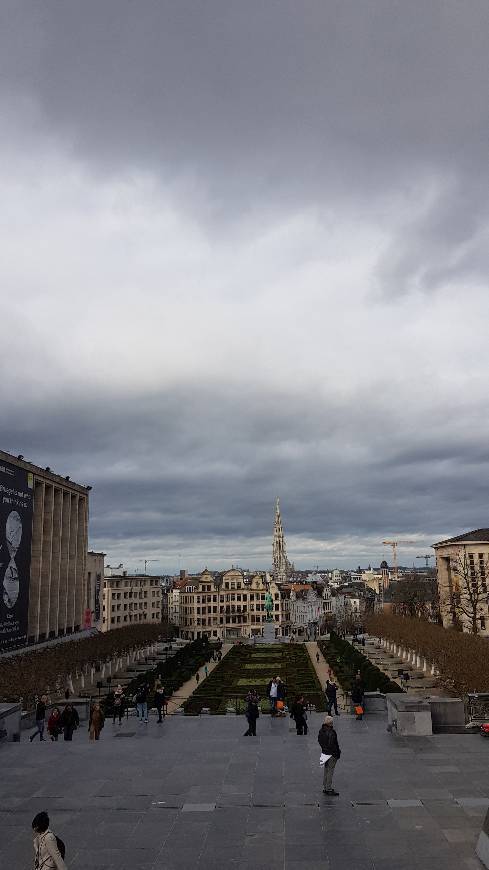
x=194, y=793
x=476, y=536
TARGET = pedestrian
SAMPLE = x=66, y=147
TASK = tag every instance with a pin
x=197, y=678
x=206, y=671
x=118, y=704
x=317, y=657
x=40, y=718
x=54, y=724
x=272, y=690
x=331, y=690
x=142, y=703
x=299, y=714
x=96, y=721
x=328, y=741
x=160, y=700
x=49, y=850
x=358, y=696
x=69, y=721
x=252, y=712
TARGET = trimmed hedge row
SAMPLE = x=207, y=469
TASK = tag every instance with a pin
x=230, y=682
x=345, y=660
x=177, y=670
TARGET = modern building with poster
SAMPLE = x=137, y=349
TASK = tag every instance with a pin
x=43, y=553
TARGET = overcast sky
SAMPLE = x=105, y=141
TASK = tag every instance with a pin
x=244, y=252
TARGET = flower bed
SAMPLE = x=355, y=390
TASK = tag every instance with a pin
x=246, y=667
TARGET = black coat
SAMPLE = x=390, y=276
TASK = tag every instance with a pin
x=357, y=692
x=328, y=741
x=252, y=711
x=298, y=712
x=70, y=719
x=330, y=690
x=40, y=711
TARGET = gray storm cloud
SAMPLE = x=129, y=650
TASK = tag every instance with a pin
x=244, y=253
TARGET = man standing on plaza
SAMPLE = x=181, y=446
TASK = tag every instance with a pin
x=40, y=718
x=331, y=696
x=272, y=692
x=328, y=741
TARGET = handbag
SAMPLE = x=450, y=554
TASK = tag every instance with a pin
x=359, y=711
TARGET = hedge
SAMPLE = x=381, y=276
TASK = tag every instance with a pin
x=345, y=660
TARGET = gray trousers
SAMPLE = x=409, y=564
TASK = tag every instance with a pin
x=328, y=773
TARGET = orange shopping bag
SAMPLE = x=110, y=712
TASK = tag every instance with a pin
x=359, y=711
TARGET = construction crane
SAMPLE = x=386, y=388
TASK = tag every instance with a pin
x=426, y=557
x=394, y=545
x=146, y=562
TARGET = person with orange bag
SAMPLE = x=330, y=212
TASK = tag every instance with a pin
x=358, y=696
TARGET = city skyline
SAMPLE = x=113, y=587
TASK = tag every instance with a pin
x=244, y=252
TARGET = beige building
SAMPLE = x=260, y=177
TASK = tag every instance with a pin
x=462, y=565
x=226, y=606
x=130, y=599
x=43, y=549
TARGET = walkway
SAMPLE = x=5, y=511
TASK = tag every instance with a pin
x=194, y=793
x=322, y=669
x=190, y=686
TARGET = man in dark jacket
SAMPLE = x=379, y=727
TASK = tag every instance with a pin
x=358, y=695
x=331, y=696
x=328, y=742
x=40, y=718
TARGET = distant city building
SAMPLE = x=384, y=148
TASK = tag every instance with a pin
x=282, y=568
x=131, y=599
x=43, y=551
x=462, y=566
x=224, y=606
x=310, y=608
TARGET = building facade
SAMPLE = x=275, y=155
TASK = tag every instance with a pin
x=131, y=599
x=94, y=590
x=462, y=565
x=43, y=550
x=226, y=606
x=310, y=609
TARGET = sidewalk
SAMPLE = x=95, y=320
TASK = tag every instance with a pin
x=322, y=669
x=188, y=688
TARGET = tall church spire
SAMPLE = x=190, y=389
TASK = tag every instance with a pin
x=281, y=564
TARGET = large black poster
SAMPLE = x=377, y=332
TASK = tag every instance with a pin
x=16, y=504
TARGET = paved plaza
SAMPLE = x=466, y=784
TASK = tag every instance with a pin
x=194, y=792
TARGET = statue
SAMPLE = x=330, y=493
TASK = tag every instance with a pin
x=269, y=606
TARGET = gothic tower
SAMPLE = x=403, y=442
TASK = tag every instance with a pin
x=281, y=565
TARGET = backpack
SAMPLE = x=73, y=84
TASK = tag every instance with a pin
x=61, y=846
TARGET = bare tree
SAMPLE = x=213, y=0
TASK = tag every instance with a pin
x=469, y=594
x=415, y=595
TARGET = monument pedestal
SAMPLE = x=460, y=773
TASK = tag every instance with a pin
x=268, y=635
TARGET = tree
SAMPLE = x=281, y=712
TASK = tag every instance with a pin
x=415, y=595
x=468, y=599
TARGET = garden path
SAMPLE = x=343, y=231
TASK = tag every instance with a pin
x=188, y=688
x=322, y=669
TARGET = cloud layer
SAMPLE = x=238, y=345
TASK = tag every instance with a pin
x=244, y=254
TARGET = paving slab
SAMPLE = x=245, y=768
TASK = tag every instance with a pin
x=197, y=794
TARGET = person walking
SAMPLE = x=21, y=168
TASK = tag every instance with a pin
x=197, y=678
x=281, y=695
x=69, y=721
x=118, y=704
x=54, y=724
x=206, y=671
x=96, y=721
x=40, y=718
x=317, y=657
x=142, y=703
x=47, y=853
x=159, y=700
x=328, y=741
x=331, y=691
x=252, y=712
x=272, y=690
x=358, y=696
x=299, y=714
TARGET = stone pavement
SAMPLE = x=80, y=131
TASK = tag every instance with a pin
x=195, y=793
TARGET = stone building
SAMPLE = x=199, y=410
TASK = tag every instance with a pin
x=131, y=599
x=43, y=550
x=310, y=607
x=226, y=606
x=94, y=590
x=462, y=565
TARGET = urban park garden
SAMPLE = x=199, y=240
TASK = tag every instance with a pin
x=247, y=667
